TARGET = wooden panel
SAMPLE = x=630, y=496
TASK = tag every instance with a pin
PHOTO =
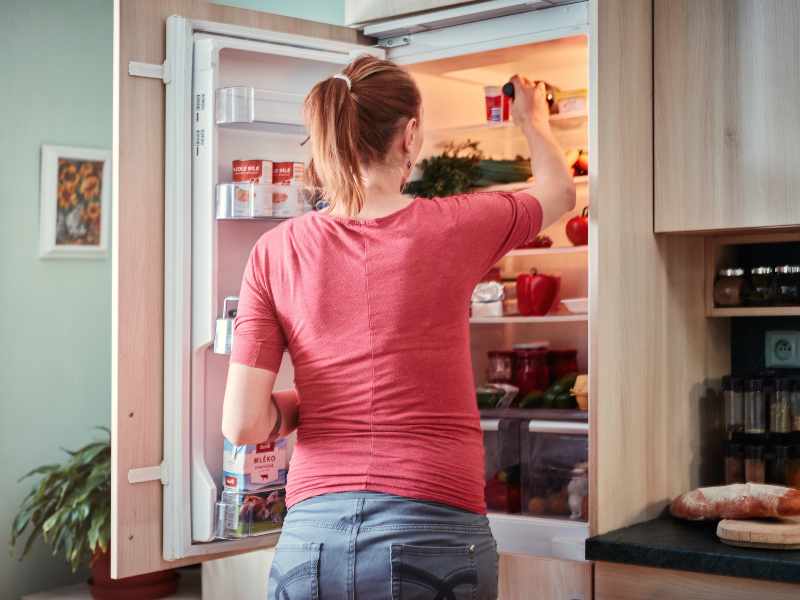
x=362, y=11
x=525, y=577
x=138, y=261
x=727, y=153
x=626, y=582
x=241, y=577
x=652, y=350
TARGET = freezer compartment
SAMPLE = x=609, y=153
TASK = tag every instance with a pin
x=247, y=514
x=554, y=470
x=248, y=106
x=501, y=443
x=246, y=200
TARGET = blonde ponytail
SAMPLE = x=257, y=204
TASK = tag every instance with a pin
x=352, y=120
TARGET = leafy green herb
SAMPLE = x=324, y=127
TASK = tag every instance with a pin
x=70, y=507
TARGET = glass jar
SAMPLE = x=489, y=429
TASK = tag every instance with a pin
x=500, y=366
x=777, y=464
x=787, y=283
x=793, y=467
x=762, y=286
x=780, y=408
x=530, y=371
x=755, y=408
x=754, y=464
x=733, y=395
x=730, y=289
x=734, y=463
x=561, y=363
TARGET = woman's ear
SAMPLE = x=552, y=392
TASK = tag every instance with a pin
x=410, y=135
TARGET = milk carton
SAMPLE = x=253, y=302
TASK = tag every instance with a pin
x=253, y=467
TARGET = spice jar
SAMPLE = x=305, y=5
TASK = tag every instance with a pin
x=731, y=288
x=776, y=465
x=755, y=408
x=793, y=467
x=733, y=396
x=530, y=372
x=796, y=406
x=754, y=464
x=562, y=362
x=500, y=366
x=780, y=408
x=787, y=284
x=734, y=463
x=762, y=286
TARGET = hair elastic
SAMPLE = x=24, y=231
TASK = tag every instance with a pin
x=344, y=78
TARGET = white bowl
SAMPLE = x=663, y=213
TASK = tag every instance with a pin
x=576, y=305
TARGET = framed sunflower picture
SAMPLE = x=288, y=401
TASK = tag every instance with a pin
x=75, y=202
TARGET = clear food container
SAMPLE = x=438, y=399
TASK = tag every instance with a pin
x=501, y=442
x=555, y=481
x=245, y=514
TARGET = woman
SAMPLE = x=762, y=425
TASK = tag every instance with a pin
x=371, y=299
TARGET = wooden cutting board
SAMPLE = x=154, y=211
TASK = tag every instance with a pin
x=777, y=534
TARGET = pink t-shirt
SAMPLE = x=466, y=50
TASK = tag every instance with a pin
x=375, y=315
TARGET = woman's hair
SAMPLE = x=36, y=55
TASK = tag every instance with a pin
x=352, y=125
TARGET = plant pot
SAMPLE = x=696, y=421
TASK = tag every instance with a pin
x=139, y=587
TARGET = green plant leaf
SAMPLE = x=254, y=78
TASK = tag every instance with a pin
x=38, y=471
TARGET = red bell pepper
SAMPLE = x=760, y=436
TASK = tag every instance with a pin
x=536, y=293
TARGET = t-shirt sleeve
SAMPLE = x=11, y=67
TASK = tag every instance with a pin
x=490, y=224
x=258, y=338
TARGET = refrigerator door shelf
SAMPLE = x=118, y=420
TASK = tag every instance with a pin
x=250, y=108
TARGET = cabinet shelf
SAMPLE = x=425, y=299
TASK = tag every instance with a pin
x=756, y=311
x=522, y=319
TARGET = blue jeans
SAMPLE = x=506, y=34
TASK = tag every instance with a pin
x=371, y=546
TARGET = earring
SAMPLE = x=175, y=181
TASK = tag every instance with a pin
x=408, y=164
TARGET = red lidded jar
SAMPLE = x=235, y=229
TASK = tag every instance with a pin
x=562, y=362
x=531, y=373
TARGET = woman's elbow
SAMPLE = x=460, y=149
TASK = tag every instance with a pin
x=238, y=436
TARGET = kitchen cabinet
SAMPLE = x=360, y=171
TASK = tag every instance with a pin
x=625, y=582
x=523, y=577
x=727, y=153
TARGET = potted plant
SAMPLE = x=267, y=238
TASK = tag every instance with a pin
x=70, y=509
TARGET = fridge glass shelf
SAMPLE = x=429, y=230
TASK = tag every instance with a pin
x=521, y=185
x=241, y=107
x=522, y=319
x=548, y=251
x=572, y=120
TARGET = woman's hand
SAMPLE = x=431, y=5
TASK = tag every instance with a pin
x=529, y=109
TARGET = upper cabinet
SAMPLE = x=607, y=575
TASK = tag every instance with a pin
x=726, y=115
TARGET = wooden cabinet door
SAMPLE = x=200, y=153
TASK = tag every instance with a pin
x=525, y=577
x=726, y=115
x=138, y=267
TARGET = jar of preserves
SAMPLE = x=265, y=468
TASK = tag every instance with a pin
x=787, y=283
x=561, y=363
x=762, y=286
x=531, y=373
x=500, y=366
x=731, y=287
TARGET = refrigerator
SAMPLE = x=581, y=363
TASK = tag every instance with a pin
x=234, y=92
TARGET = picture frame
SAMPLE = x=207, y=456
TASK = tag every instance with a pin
x=75, y=202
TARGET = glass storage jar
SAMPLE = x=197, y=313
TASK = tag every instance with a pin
x=780, y=407
x=795, y=405
x=531, y=373
x=793, y=467
x=733, y=395
x=755, y=408
x=730, y=289
x=754, y=471
x=734, y=463
x=787, y=279
x=777, y=463
x=499, y=369
x=762, y=286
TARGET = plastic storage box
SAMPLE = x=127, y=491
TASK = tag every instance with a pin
x=501, y=441
x=245, y=514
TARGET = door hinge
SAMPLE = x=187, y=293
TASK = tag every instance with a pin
x=394, y=42
x=154, y=71
x=144, y=474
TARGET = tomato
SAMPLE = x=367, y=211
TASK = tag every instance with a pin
x=578, y=229
x=536, y=293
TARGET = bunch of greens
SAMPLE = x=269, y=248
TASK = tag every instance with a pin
x=461, y=168
x=70, y=507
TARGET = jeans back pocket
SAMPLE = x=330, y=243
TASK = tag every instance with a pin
x=434, y=572
x=295, y=572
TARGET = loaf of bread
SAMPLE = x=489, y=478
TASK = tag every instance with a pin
x=737, y=501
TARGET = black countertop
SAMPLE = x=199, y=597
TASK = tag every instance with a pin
x=685, y=546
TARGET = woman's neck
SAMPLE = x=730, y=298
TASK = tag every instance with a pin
x=382, y=194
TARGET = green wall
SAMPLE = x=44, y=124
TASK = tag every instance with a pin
x=55, y=315
x=326, y=11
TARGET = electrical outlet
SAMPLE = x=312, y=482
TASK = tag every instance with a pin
x=782, y=349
